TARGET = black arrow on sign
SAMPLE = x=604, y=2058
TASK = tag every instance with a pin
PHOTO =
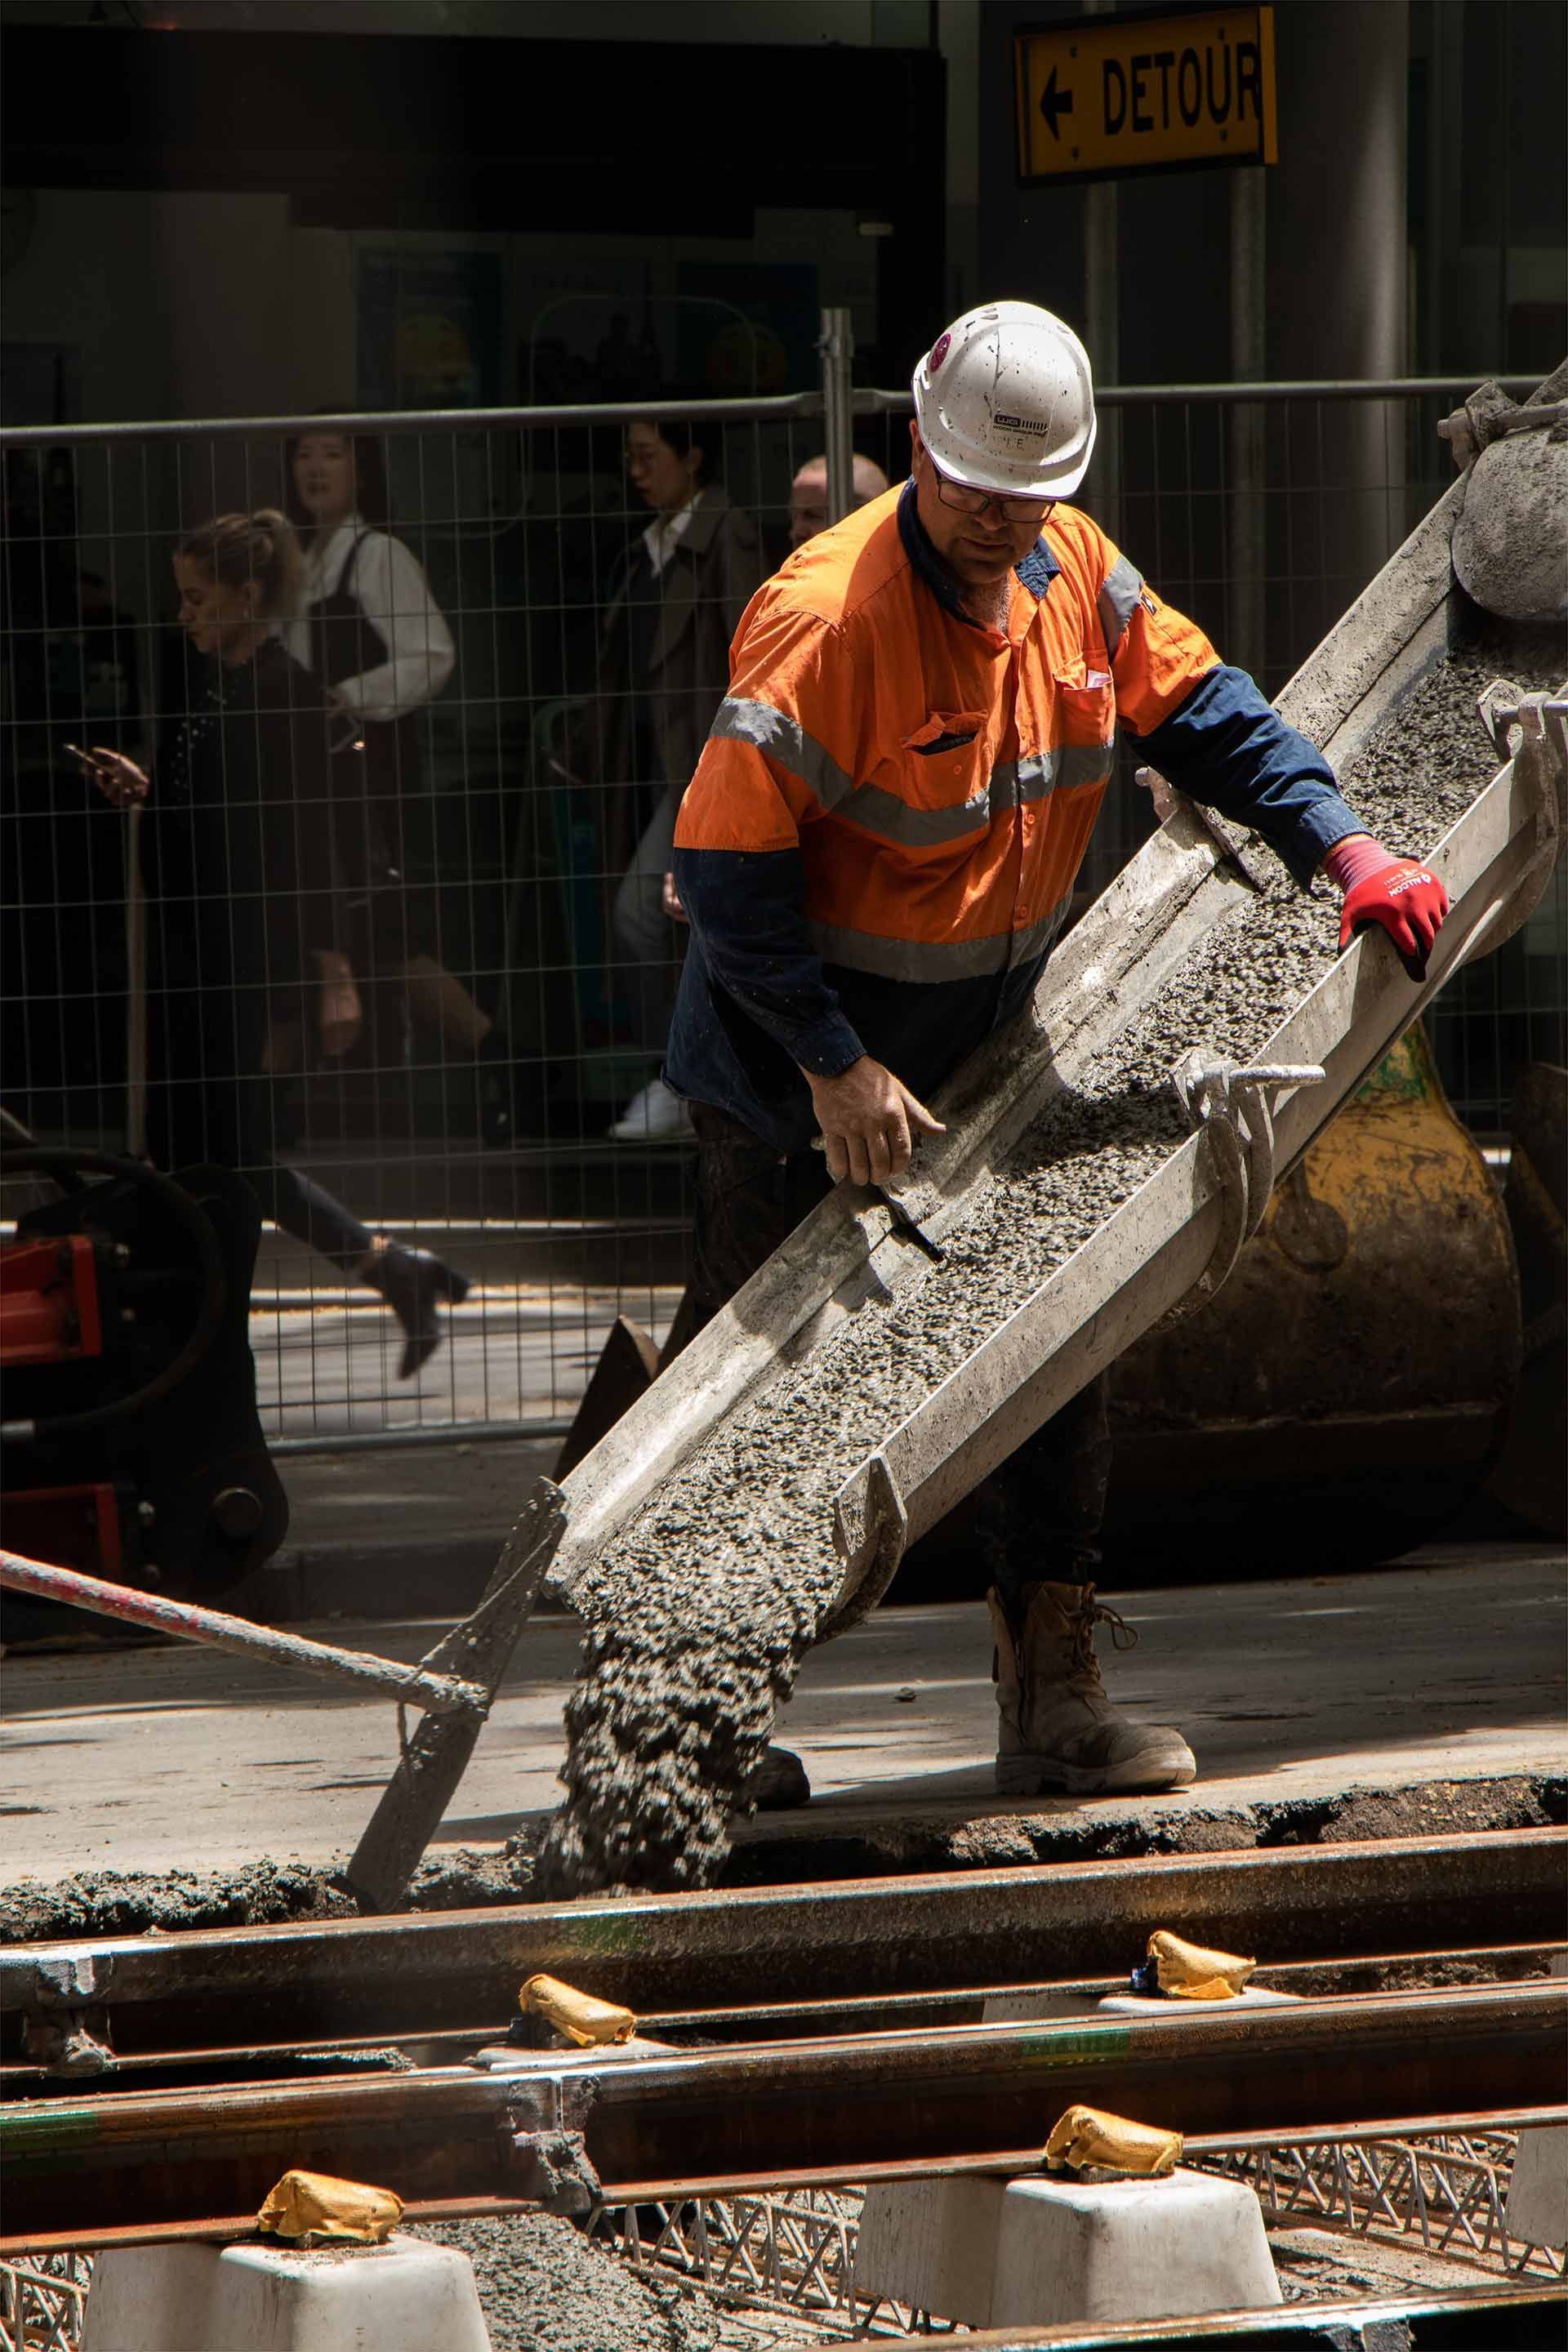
x=1053, y=101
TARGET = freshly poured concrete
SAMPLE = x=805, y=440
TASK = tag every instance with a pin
x=1448, y=1669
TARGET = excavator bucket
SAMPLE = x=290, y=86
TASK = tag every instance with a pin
x=1333, y=1403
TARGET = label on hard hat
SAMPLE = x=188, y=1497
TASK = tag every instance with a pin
x=939, y=352
x=1023, y=424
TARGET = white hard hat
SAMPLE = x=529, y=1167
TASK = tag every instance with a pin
x=1004, y=402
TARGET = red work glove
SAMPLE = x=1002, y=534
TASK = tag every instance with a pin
x=1406, y=899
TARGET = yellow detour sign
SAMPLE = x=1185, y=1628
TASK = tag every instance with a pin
x=1113, y=94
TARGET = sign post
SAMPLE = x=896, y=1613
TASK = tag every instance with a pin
x=1109, y=95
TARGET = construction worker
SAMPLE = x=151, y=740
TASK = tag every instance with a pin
x=807, y=516
x=875, y=853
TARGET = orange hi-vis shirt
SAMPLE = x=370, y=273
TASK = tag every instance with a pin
x=879, y=842
x=942, y=780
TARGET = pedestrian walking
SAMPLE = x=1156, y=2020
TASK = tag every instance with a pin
x=673, y=607
x=242, y=862
x=371, y=630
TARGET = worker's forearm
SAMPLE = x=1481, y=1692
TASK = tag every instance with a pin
x=746, y=909
x=1226, y=746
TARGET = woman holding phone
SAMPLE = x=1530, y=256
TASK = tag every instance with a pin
x=242, y=860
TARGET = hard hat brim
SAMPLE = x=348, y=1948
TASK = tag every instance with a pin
x=1053, y=482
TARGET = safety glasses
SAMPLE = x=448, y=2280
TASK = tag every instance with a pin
x=965, y=500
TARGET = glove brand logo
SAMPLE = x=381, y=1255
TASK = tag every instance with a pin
x=1410, y=882
x=939, y=352
x=1022, y=423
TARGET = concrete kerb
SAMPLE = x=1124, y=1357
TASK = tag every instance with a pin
x=381, y=1533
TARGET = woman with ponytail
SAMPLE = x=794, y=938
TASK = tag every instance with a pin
x=242, y=854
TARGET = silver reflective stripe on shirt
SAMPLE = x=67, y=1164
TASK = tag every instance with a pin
x=883, y=813
x=934, y=961
x=742, y=720
x=891, y=819
x=1119, y=602
x=1015, y=782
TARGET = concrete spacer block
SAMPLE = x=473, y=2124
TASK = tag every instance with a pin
x=402, y=2296
x=1130, y=2250
x=931, y=2243
x=1538, y=2193
x=995, y=2254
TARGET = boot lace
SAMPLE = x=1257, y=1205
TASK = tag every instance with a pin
x=1091, y=1613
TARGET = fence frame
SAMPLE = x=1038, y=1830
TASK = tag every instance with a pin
x=838, y=406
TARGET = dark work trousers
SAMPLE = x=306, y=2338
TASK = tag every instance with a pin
x=1037, y=1518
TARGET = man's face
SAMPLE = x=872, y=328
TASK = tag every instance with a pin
x=978, y=549
x=808, y=504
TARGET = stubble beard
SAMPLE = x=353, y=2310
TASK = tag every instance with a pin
x=988, y=600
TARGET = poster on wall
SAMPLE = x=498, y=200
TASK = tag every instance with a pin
x=427, y=330
x=748, y=327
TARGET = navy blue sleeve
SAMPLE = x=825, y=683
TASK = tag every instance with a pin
x=747, y=909
x=1227, y=747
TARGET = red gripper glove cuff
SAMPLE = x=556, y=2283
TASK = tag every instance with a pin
x=1402, y=897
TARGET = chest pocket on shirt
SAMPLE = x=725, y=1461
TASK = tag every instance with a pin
x=1086, y=728
x=945, y=730
x=946, y=781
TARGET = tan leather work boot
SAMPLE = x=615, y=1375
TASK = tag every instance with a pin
x=1059, y=1728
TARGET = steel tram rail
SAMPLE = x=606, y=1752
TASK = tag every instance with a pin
x=841, y=1942
x=841, y=2105
x=199, y=2061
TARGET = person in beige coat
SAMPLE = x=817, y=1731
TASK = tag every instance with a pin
x=675, y=603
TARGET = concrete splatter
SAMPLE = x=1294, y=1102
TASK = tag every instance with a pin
x=545, y=2287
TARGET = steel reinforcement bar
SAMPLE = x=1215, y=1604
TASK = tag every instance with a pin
x=848, y=1938
x=841, y=2107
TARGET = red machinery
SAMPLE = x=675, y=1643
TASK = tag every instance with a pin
x=131, y=1442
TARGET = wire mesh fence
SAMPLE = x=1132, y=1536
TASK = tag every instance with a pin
x=362, y=884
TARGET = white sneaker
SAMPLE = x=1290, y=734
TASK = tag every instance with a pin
x=653, y=1116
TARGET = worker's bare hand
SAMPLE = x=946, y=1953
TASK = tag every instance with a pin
x=869, y=1122
x=672, y=905
x=120, y=780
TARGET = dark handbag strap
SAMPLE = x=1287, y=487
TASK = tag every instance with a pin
x=321, y=611
x=345, y=577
